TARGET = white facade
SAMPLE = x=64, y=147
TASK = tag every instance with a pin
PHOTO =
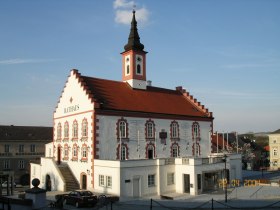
x=274, y=148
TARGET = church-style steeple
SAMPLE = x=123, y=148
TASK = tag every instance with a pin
x=134, y=59
x=133, y=39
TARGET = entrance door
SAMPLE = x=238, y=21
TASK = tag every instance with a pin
x=136, y=187
x=84, y=182
x=186, y=183
x=48, y=183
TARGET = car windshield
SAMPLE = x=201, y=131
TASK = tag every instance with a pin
x=86, y=193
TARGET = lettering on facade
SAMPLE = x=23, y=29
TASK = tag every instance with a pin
x=71, y=109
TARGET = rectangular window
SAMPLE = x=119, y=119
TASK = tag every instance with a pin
x=170, y=178
x=21, y=164
x=21, y=148
x=32, y=148
x=84, y=152
x=109, y=181
x=101, y=181
x=6, y=164
x=7, y=148
x=151, y=180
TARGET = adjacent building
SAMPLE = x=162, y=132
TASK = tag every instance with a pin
x=19, y=146
x=130, y=138
x=274, y=148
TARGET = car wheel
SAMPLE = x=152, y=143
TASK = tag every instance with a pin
x=77, y=204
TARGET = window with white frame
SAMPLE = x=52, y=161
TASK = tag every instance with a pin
x=6, y=164
x=109, y=181
x=75, y=153
x=151, y=180
x=122, y=129
x=123, y=152
x=66, y=151
x=84, y=152
x=196, y=133
x=174, y=150
x=170, y=179
x=21, y=164
x=75, y=129
x=66, y=130
x=150, y=130
x=85, y=128
x=58, y=132
x=101, y=180
x=174, y=130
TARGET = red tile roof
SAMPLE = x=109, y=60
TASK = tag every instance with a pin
x=221, y=141
x=115, y=95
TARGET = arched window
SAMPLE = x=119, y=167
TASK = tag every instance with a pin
x=75, y=129
x=66, y=152
x=174, y=127
x=122, y=129
x=139, y=69
x=150, y=151
x=84, y=128
x=58, y=131
x=123, y=152
x=195, y=131
x=66, y=130
x=174, y=150
x=75, y=152
x=150, y=129
x=196, y=149
x=84, y=152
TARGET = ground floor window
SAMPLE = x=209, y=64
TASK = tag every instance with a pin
x=151, y=180
x=101, y=180
x=199, y=181
x=108, y=179
x=170, y=178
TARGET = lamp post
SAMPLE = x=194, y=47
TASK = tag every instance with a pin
x=225, y=177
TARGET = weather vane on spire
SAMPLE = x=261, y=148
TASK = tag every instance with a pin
x=133, y=7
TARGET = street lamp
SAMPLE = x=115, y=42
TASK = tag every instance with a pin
x=225, y=177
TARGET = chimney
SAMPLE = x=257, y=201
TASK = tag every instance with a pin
x=149, y=83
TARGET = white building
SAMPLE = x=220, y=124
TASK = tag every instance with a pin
x=274, y=148
x=129, y=138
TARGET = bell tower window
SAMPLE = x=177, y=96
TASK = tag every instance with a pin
x=138, y=69
x=127, y=69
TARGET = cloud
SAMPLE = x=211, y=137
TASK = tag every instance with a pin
x=23, y=61
x=123, y=12
x=123, y=4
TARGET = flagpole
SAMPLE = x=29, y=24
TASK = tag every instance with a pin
x=227, y=141
x=217, y=141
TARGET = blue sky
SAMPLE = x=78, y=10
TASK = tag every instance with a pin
x=224, y=52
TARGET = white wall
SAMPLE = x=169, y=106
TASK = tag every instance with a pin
x=109, y=143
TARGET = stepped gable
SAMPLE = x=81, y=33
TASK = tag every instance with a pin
x=114, y=95
x=194, y=101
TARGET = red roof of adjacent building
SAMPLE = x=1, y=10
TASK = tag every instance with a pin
x=221, y=142
x=115, y=95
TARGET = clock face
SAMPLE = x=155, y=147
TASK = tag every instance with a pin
x=139, y=59
x=127, y=59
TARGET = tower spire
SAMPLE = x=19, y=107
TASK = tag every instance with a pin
x=133, y=39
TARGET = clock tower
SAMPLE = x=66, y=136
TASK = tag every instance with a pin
x=134, y=59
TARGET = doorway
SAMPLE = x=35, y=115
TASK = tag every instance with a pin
x=58, y=155
x=186, y=183
x=136, y=187
x=48, y=183
x=84, y=182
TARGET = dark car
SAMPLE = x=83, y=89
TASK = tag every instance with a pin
x=80, y=198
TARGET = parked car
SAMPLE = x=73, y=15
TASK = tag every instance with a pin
x=4, y=184
x=80, y=198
